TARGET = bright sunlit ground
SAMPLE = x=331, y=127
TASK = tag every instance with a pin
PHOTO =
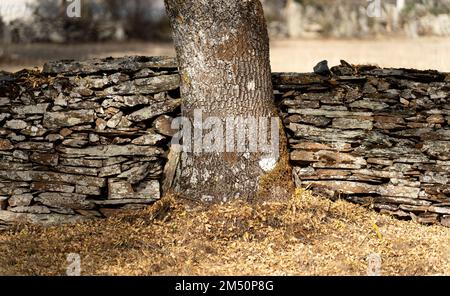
x=286, y=55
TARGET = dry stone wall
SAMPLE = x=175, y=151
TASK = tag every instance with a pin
x=80, y=140
x=377, y=137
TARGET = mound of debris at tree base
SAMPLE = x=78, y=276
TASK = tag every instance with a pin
x=308, y=235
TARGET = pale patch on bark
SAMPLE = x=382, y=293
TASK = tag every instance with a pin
x=251, y=86
x=268, y=163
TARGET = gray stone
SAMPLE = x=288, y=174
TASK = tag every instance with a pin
x=113, y=150
x=133, y=101
x=115, y=120
x=54, y=137
x=144, y=86
x=154, y=110
x=124, y=123
x=120, y=190
x=60, y=101
x=403, y=200
x=16, y=124
x=91, y=163
x=412, y=208
x=41, y=176
x=438, y=149
x=319, y=121
x=148, y=189
x=136, y=174
x=112, y=103
x=110, y=170
x=94, y=138
x=77, y=170
x=52, y=187
x=63, y=211
x=125, y=64
x=329, y=113
x=68, y=119
x=88, y=190
x=407, y=193
x=4, y=101
x=82, y=91
x=43, y=219
x=439, y=210
x=31, y=109
x=84, y=105
x=435, y=178
x=327, y=157
x=34, y=131
x=399, y=191
x=30, y=210
x=350, y=123
x=40, y=146
x=118, y=202
x=122, y=101
x=16, y=138
x=370, y=104
x=65, y=200
x=4, y=116
x=388, y=207
x=20, y=200
x=148, y=139
x=300, y=103
x=325, y=134
x=76, y=143
x=22, y=155
x=114, y=160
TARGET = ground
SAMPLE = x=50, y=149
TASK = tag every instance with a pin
x=286, y=55
x=309, y=235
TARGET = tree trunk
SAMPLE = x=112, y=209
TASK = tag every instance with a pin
x=223, y=54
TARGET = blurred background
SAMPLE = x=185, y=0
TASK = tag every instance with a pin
x=389, y=33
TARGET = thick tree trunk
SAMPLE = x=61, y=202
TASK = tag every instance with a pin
x=223, y=54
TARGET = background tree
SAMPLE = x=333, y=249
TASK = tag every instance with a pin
x=223, y=53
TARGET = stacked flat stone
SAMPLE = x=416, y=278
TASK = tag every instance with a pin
x=82, y=139
x=377, y=137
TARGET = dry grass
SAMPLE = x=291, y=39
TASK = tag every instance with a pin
x=307, y=236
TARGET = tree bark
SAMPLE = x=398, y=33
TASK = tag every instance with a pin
x=223, y=53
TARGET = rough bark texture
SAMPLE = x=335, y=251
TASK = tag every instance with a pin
x=223, y=52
